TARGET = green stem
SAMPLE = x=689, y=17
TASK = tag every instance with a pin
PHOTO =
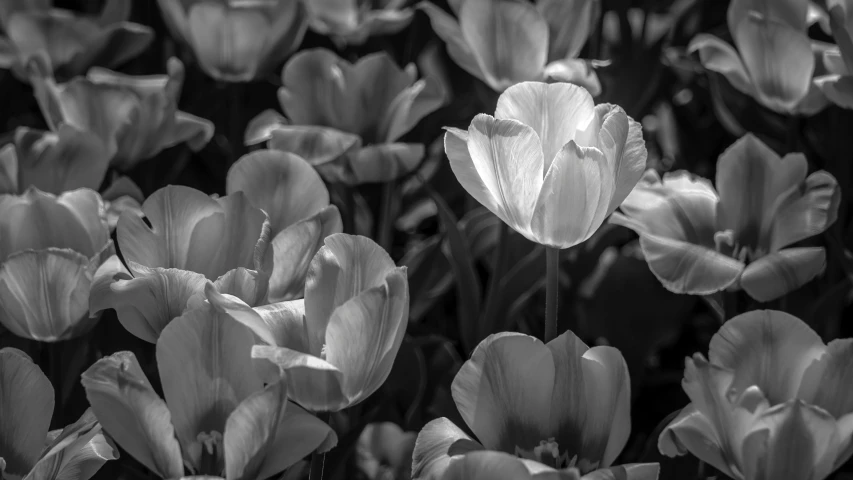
x=552, y=290
x=318, y=460
x=731, y=305
x=493, y=298
x=385, y=234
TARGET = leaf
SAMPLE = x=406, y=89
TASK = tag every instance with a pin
x=429, y=276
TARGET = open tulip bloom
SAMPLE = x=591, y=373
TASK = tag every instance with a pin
x=218, y=418
x=771, y=401
x=336, y=347
x=346, y=119
x=352, y=22
x=237, y=40
x=68, y=42
x=536, y=42
x=27, y=449
x=698, y=242
x=774, y=62
x=52, y=248
x=133, y=117
x=556, y=406
x=837, y=85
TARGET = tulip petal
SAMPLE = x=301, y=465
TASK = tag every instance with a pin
x=488, y=465
x=504, y=392
x=580, y=180
x=295, y=247
x=837, y=88
x=261, y=127
x=782, y=272
x=789, y=12
x=381, y=163
x=826, y=382
x=557, y=112
x=413, y=103
x=627, y=471
x=509, y=39
x=26, y=399
x=79, y=450
x=228, y=41
x=9, y=170
x=195, y=131
x=313, y=382
x=720, y=57
x=767, y=348
x=575, y=71
x=281, y=184
x=449, y=30
x=132, y=414
x=627, y=158
x=691, y=431
x=608, y=398
x=318, y=145
x=569, y=25
x=247, y=285
x=462, y=164
x=569, y=395
x=206, y=371
x=437, y=442
x=805, y=210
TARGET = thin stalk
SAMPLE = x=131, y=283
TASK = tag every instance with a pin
x=552, y=288
x=318, y=460
x=493, y=298
x=385, y=234
x=731, y=304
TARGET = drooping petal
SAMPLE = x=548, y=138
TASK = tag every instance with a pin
x=782, y=272
x=767, y=348
x=692, y=432
x=608, y=398
x=205, y=366
x=504, y=392
x=805, y=210
x=132, y=414
x=26, y=399
x=826, y=382
x=437, y=442
x=449, y=30
x=719, y=56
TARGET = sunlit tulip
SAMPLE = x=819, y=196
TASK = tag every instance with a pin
x=698, y=242
x=550, y=163
x=237, y=40
x=384, y=452
x=217, y=419
x=185, y=239
x=68, y=42
x=294, y=197
x=774, y=62
x=134, y=117
x=837, y=85
x=537, y=42
x=337, y=345
x=27, y=449
x=351, y=22
x=558, y=405
x=51, y=249
x=346, y=119
x=771, y=401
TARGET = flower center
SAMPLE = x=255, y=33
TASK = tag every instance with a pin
x=548, y=453
x=212, y=455
x=726, y=244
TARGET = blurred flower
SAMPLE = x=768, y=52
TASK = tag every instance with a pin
x=534, y=42
x=837, y=84
x=227, y=423
x=351, y=22
x=346, y=119
x=51, y=249
x=697, y=242
x=385, y=452
x=771, y=401
x=774, y=61
x=237, y=40
x=27, y=448
x=550, y=164
x=558, y=405
x=337, y=345
x=133, y=117
x=68, y=42
x=185, y=239
x=294, y=197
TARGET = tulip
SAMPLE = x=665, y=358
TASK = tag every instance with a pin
x=218, y=418
x=346, y=119
x=537, y=42
x=68, y=42
x=837, y=84
x=237, y=40
x=771, y=401
x=351, y=22
x=52, y=249
x=384, y=451
x=699, y=243
x=774, y=62
x=133, y=117
x=559, y=405
x=192, y=238
x=337, y=345
x=550, y=164
x=294, y=197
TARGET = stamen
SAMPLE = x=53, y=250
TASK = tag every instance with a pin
x=212, y=454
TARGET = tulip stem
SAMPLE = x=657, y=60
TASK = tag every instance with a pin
x=318, y=460
x=493, y=298
x=552, y=290
x=385, y=233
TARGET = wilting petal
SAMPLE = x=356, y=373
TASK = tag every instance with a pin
x=44, y=294
x=580, y=180
x=509, y=39
x=767, y=348
x=26, y=399
x=449, y=30
x=312, y=381
x=719, y=56
x=281, y=184
x=132, y=414
x=206, y=370
x=295, y=247
x=462, y=164
x=437, y=442
x=805, y=210
x=608, y=405
x=779, y=273
x=826, y=382
x=692, y=432
x=504, y=392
